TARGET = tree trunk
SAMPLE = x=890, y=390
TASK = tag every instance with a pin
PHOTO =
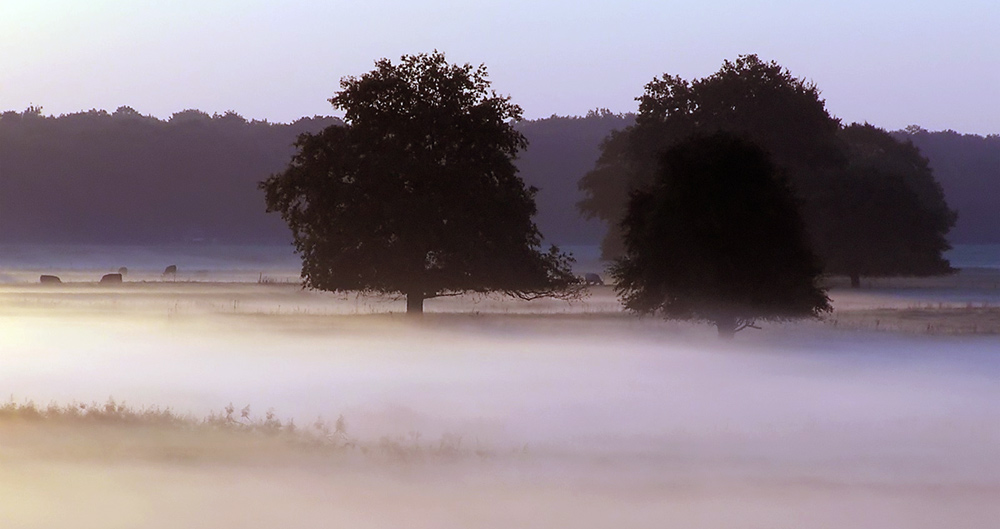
x=414, y=303
x=726, y=327
x=855, y=280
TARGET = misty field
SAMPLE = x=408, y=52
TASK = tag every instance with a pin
x=491, y=413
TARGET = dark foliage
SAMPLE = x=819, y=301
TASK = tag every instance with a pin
x=750, y=97
x=718, y=238
x=121, y=177
x=560, y=151
x=871, y=204
x=99, y=177
x=418, y=193
x=968, y=168
x=891, y=215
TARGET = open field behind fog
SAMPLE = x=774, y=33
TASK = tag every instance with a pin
x=494, y=413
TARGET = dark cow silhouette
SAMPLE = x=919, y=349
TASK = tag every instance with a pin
x=592, y=279
x=111, y=279
x=49, y=280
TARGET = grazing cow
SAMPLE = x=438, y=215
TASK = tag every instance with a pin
x=111, y=279
x=49, y=280
x=592, y=279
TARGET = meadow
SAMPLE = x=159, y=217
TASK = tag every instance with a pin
x=240, y=400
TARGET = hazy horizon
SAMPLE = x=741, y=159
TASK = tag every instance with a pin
x=893, y=64
x=46, y=113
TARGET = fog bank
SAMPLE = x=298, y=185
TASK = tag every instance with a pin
x=590, y=418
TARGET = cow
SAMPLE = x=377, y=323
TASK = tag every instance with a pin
x=111, y=279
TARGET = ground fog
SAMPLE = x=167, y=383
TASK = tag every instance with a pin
x=487, y=413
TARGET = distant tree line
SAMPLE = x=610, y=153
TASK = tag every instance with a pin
x=121, y=177
x=560, y=151
x=968, y=168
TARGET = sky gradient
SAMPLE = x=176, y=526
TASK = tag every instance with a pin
x=892, y=63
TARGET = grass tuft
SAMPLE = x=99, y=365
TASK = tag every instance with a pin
x=126, y=421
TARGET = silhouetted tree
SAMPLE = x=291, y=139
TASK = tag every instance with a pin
x=418, y=193
x=891, y=214
x=718, y=237
x=757, y=99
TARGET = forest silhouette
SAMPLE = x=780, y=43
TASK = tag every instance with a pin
x=124, y=178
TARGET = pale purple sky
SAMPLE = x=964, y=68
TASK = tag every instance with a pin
x=892, y=63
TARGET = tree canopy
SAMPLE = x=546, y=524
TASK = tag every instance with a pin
x=718, y=237
x=891, y=214
x=417, y=194
x=760, y=100
x=842, y=176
